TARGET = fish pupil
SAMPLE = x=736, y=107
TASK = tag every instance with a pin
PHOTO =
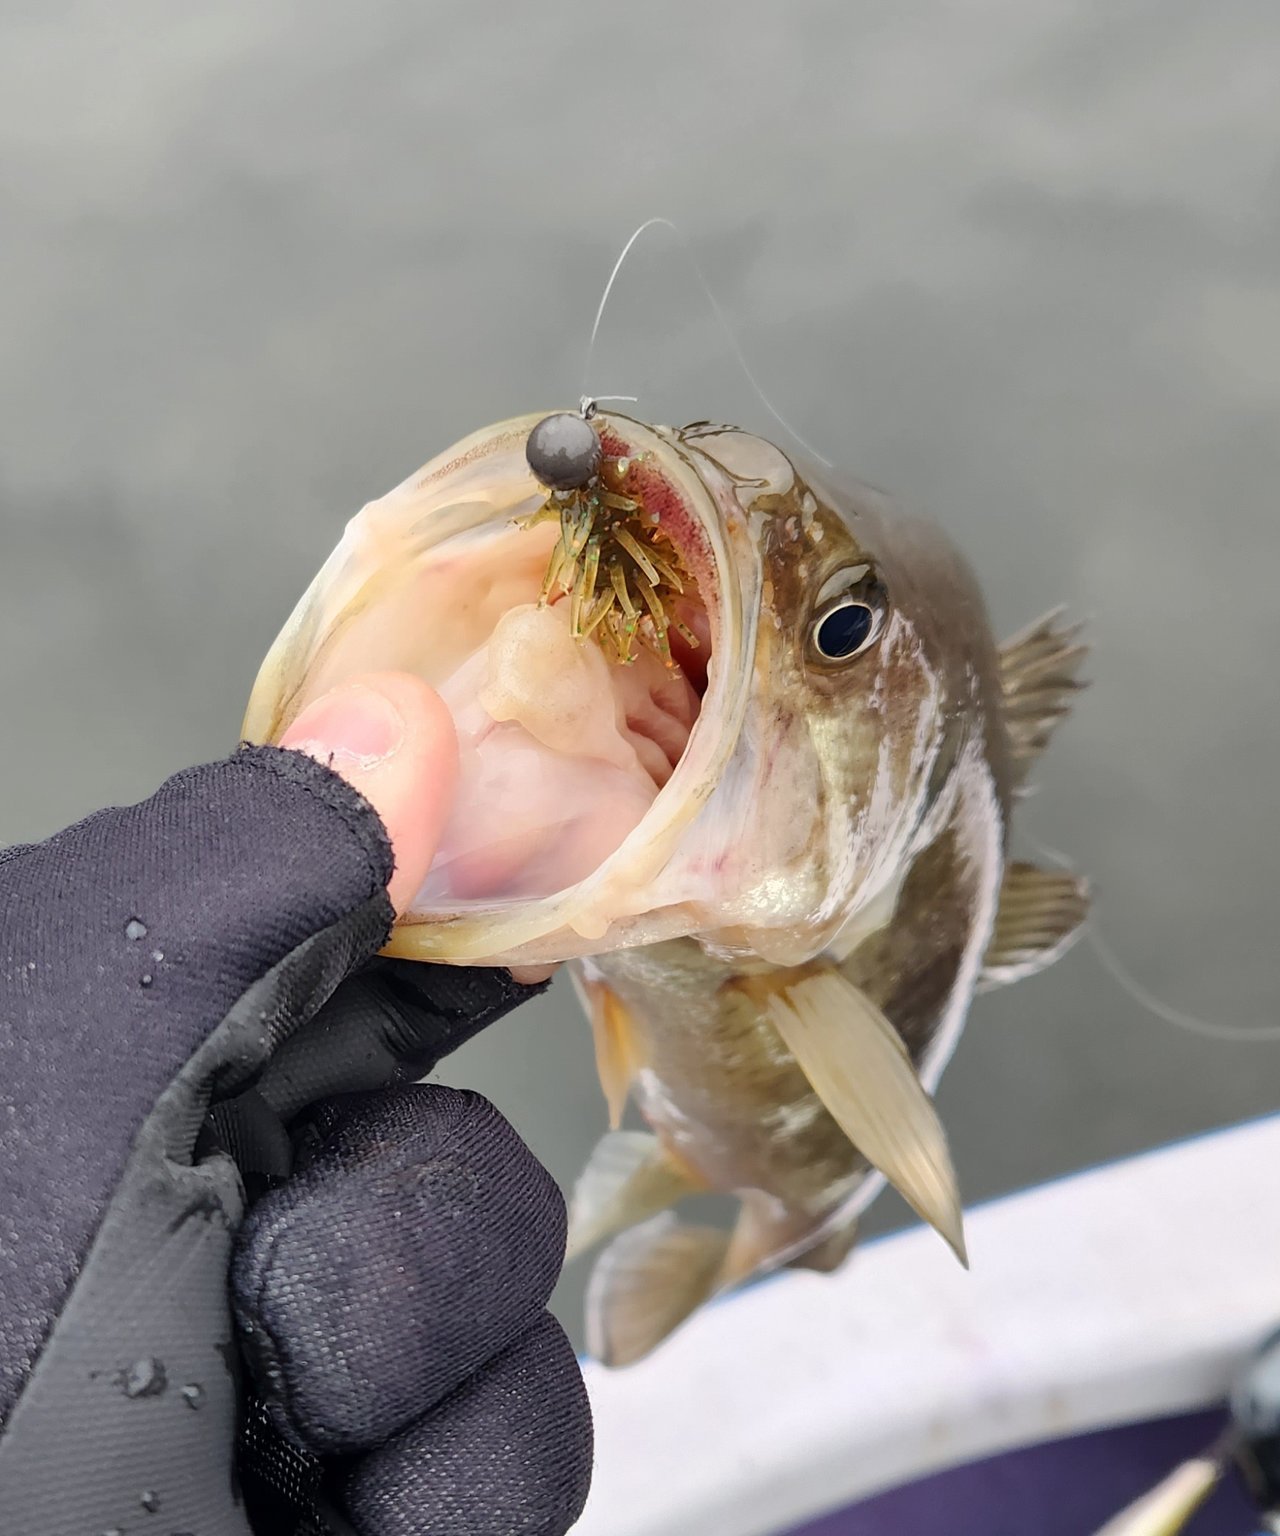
x=844, y=631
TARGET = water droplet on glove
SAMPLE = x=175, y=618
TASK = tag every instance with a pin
x=145, y=1378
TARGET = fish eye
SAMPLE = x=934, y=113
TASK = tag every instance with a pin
x=848, y=624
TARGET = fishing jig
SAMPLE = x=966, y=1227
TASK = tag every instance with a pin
x=612, y=561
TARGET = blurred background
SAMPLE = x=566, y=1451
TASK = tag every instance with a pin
x=1016, y=261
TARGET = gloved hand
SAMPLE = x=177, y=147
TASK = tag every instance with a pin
x=185, y=985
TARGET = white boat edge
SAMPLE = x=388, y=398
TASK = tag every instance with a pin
x=1126, y=1292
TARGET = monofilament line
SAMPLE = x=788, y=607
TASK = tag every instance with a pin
x=1129, y=984
x=729, y=333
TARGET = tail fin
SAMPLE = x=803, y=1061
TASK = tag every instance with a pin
x=646, y=1283
x=628, y=1177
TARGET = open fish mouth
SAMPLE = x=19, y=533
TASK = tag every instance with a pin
x=593, y=647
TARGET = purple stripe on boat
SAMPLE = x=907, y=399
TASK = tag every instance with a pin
x=1063, y=1488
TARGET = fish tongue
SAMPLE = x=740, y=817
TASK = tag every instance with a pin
x=550, y=781
x=556, y=687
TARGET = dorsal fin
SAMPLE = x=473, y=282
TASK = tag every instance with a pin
x=1038, y=679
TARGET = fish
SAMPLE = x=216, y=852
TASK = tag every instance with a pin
x=739, y=747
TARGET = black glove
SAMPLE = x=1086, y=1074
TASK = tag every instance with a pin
x=184, y=986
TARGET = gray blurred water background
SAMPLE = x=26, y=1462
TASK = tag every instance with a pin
x=1016, y=260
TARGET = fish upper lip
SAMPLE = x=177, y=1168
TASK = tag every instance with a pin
x=683, y=521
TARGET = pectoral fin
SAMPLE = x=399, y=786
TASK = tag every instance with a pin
x=617, y=1055
x=628, y=1178
x=860, y=1069
x=1040, y=916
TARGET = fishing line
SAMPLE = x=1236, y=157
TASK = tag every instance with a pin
x=1128, y=983
x=729, y=333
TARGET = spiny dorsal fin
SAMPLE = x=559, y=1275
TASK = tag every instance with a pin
x=628, y=1178
x=858, y=1066
x=646, y=1283
x=1038, y=679
x=1040, y=916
